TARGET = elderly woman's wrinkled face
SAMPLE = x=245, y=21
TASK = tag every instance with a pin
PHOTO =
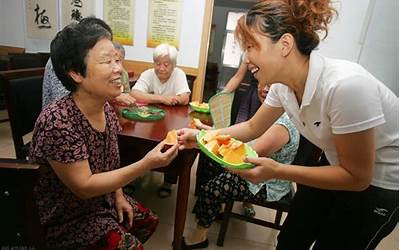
x=103, y=72
x=163, y=68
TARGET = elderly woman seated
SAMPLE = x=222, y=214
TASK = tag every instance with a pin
x=165, y=83
x=79, y=197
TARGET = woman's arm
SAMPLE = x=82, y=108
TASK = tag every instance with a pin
x=236, y=79
x=272, y=140
x=356, y=154
x=256, y=126
x=183, y=99
x=151, y=98
x=141, y=96
x=78, y=177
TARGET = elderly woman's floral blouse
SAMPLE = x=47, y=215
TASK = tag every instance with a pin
x=62, y=133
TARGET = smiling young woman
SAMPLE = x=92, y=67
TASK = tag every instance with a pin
x=337, y=206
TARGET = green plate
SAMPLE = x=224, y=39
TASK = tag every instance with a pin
x=199, y=109
x=249, y=152
x=144, y=113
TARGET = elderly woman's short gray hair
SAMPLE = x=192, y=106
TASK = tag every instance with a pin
x=165, y=49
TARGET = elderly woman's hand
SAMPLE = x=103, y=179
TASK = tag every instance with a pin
x=187, y=138
x=160, y=156
x=265, y=169
x=123, y=207
x=169, y=100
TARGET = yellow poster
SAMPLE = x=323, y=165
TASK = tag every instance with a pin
x=119, y=15
x=76, y=10
x=41, y=19
x=164, y=24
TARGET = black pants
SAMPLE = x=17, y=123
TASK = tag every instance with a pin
x=339, y=219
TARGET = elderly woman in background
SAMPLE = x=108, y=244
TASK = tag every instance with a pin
x=79, y=197
x=165, y=84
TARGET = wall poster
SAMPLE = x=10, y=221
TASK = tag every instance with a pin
x=41, y=19
x=164, y=24
x=76, y=10
x=119, y=15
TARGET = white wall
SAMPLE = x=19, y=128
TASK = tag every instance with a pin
x=380, y=50
x=12, y=23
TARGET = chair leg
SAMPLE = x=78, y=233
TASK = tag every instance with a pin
x=224, y=224
x=278, y=218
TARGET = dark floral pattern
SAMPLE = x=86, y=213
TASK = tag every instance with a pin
x=62, y=133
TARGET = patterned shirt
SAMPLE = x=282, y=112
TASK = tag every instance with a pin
x=53, y=89
x=276, y=189
x=62, y=133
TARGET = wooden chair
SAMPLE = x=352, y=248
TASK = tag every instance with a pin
x=26, y=60
x=307, y=155
x=24, y=103
x=20, y=226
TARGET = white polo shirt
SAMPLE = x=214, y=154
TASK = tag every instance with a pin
x=341, y=97
x=177, y=84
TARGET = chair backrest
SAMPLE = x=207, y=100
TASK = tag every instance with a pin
x=220, y=109
x=20, y=225
x=26, y=60
x=24, y=104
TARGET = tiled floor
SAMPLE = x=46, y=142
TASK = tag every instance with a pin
x=240, y=235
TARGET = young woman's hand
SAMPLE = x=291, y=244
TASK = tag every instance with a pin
x=265, y=169
x=161, y=156
x=187, y=138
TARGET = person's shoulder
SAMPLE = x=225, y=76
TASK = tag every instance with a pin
x=179, y=71
x=148, y=72
x=336, y=71
x=60, y=109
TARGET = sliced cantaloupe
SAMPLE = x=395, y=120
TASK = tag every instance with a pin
x=171, y=138
x=210, y=135
x=236, y=155
x=224, y=148
x=236, y=144
x=223, y=139
x=212, y=146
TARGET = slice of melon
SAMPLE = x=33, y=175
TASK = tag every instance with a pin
x=224, y=148
x=212, y=146
x=223, y=139
x=171, y=138
x=209, y=136
x=236, y=155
